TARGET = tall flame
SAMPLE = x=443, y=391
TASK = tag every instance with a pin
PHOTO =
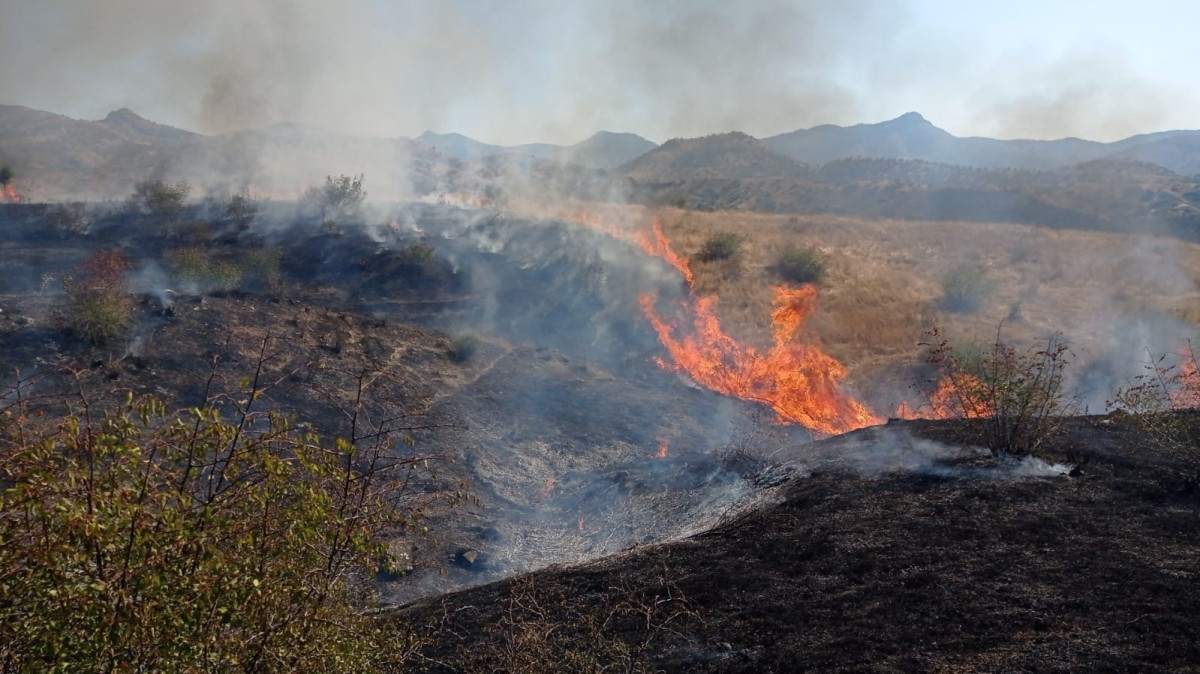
x=798, y=380
x=9, y=194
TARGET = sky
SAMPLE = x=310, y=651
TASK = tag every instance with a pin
x=514, y=71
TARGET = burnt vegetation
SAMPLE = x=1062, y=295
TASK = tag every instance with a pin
x=243, y=434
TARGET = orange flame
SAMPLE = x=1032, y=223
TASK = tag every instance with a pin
x=10, y=195
x=954, y=397
x=799, y=381
x=662, y=448
x=1188, y=395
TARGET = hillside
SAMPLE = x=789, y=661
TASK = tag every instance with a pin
x=729, y=156
x=890, y=552
x=603, y=150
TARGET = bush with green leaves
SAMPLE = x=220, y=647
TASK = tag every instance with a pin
x=720, y=246
x=99, y=307
x=802, y=265
x=159, y=199
x=965, y=289
x=137, y=539
x=1019, y=397
x=339, y=199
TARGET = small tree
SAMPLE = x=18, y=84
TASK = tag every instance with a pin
x=99, y=307
x=6, y=176
x=340, y=198
x=802, y=265
x=69, y=219
x=159, y=199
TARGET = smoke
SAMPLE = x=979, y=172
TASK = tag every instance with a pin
x=1092, y=95
x=504, y=71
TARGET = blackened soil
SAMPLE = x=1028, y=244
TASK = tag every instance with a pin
x=894, y=572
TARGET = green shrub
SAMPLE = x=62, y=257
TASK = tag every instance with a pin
x=160, y=199
x=720, y=246
x=135, y=540
x=965, y=289
x=802, y=265
x=98, y=305
x=463, y=347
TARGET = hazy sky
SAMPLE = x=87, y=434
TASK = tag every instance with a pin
x=511, y=71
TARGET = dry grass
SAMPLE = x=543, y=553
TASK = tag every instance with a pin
x=883, y=286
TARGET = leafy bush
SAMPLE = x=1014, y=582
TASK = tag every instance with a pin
x=98, y=305
x=721, y=246
x=340, y=198
x=138, y=540
x=159, y=199
x=463, y=347
x=1019, y=396
x=802, y=265
x=965, y=289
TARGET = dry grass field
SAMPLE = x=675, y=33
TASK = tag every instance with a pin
x=883, y=286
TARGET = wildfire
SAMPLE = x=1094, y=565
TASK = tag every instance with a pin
x=798, y=380
x=954, y=397
x=10, y=195
x=1188, y=395
x=662, y=448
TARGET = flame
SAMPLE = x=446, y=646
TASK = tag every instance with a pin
x=662, y=448
x=1188, y=395
x=798, y=380
x=10, y=195
x=954, y=397
x=581, y=524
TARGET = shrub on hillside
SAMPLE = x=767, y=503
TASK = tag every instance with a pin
x=339, y=199
x=802, y=265
x=720, y=246
x=965, y=289
x=69, y=219
x=463, y=347
x=99, y=307
x=142, y=540
x=1019, y=396
x=194, y=266
x=1162, y=402
x=160, y=199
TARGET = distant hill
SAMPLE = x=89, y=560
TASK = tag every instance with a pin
x=604, y=150
x=911, y=136
x=56, y=157
x=731, y=156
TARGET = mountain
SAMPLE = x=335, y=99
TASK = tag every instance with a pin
x=911, y=136
x=731, y=156
x=56, y=157
x=603, y=150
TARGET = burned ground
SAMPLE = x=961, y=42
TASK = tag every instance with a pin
x=943, y=568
